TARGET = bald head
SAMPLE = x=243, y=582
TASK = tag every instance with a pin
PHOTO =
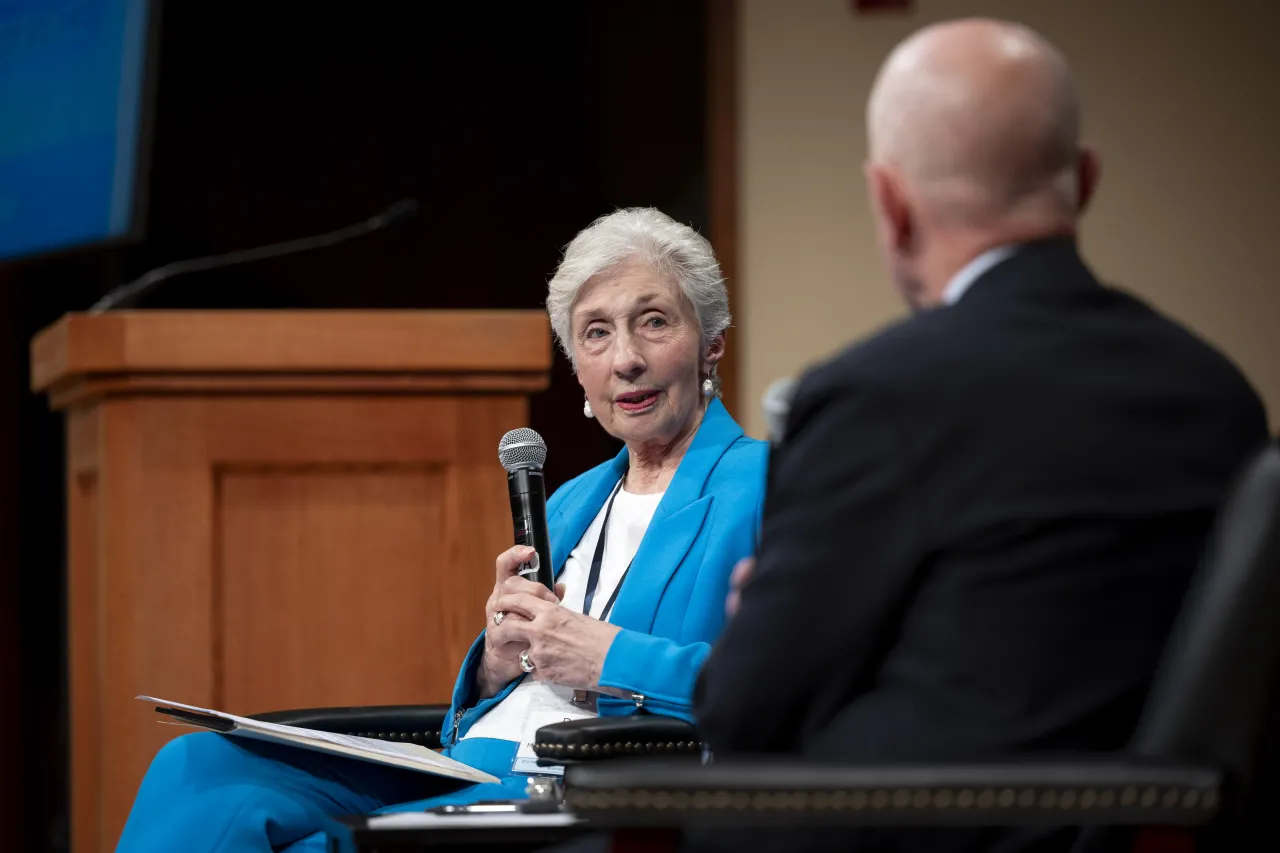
x=980, y=119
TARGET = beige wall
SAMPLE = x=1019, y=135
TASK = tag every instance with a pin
x=1183, y=103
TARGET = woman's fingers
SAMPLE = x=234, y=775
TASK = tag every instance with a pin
x=504, y=642
x=509, y=561
x=519, y=585
x=741, y=574
x=517, y=632
x=522, y=604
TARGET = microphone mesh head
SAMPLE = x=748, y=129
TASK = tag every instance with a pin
x=522, y=448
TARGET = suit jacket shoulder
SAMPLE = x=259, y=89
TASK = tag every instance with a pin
x=1038, y=314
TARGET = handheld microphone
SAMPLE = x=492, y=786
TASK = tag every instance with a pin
x=127, y=295
x=777, y=405
x=522, y=453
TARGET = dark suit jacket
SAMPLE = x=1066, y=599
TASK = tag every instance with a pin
x=979, y=526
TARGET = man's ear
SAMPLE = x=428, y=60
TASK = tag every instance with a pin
x=1088, y=171
x=889, y=204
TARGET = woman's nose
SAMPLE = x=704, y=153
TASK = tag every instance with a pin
x=627, y=360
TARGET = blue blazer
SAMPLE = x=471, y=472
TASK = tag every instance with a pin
x=671, y=604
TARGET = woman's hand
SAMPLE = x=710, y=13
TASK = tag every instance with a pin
x=741, y=574
x=501, y=661
x=565, y=647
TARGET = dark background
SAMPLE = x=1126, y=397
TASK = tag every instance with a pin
x=513, y=124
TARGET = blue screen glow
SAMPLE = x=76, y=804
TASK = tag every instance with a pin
x=71, y=79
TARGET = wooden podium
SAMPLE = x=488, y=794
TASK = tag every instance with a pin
x=272, y=510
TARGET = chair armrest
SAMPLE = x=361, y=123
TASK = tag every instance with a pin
x=1099, y=791
x=409, y=723
x=597, y=738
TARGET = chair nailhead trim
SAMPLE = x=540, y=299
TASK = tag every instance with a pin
x=409, y=737
x=558, y=750
x=1066, y=799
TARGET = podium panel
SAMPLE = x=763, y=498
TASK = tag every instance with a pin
x=269, y=526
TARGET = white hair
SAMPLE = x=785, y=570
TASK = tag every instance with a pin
x=650, y=236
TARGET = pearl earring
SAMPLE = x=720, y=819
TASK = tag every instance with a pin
x=586, y=409
x=708, y=387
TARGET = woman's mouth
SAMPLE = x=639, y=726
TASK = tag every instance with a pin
x=637, y=401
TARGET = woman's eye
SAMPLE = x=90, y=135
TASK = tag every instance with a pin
x=656, y=322
x=594, y=332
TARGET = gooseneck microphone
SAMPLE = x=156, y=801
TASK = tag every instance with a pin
x=522, y=453
x=126, y=295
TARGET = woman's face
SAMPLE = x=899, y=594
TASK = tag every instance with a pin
x=640, y=357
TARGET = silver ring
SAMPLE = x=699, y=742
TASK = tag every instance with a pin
x=499, y=616
x=525, y=663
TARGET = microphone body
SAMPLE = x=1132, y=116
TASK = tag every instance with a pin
x=522, y=453
x=777, y=406
x=529, y=518
x=126, y=295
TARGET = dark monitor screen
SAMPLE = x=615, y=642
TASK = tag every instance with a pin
x=75, y=78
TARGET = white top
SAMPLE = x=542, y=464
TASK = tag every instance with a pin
x=627, y=524
x=972, y=271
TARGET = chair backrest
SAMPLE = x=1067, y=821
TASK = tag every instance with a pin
x=1216, y=694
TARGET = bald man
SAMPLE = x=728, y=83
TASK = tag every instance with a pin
x=981, y=521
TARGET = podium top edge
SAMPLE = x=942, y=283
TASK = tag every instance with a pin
x=290, y=341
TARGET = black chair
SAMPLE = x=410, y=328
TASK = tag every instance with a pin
x=1204, y=762
x=1204, y=759
x=580, y=741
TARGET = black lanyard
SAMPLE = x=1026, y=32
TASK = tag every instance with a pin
x=593, y=579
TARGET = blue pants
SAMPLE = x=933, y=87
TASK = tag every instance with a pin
x=207, y=792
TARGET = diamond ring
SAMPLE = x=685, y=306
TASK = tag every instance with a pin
x=525, y=663
x=498, y=617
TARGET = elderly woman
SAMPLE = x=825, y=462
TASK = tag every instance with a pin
x=643, y=545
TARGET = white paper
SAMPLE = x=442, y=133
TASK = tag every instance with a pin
x=545, y=707
x=428, y=820
x=409, y=755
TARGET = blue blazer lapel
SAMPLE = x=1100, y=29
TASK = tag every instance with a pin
x=676, y=522
x=662, y=550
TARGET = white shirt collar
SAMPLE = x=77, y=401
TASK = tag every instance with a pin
x=972, y=271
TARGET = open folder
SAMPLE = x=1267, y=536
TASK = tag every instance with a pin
x=410, y=756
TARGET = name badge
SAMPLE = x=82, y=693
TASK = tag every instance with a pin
x=545, y=707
